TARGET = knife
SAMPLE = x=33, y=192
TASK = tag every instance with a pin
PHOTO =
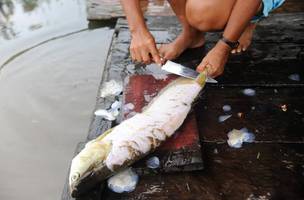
x=181, y=70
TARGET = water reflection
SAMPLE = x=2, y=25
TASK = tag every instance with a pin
x=47, y=91
x=29, y=5
x=6, y=10
x=47, y=96
x=20, y=17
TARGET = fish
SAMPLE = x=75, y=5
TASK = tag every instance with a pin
x=134, y=138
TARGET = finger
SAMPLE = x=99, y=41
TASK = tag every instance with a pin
x=155, y=55
x=163, y=60
x=137, y=56
x=211, y=70
x=161, y=50
x=145, y=57
x=245, y=48
x=132, y=54
x=201, y=66
x=233, y=51
x=217, y=73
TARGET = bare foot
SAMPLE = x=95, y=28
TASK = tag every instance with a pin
x=245, y=39
x=187, y=39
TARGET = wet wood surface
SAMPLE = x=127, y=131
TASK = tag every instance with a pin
x=274, y=115
x=257, y=171
x=107, y=9
x=270, y=168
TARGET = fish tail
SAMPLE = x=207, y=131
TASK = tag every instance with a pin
x=201, y=78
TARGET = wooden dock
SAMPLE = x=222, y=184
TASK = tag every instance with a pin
x=270, y=168
x=109, y=9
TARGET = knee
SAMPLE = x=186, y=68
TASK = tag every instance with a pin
x=204, y=15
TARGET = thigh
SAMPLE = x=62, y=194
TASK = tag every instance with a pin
x=210, y=14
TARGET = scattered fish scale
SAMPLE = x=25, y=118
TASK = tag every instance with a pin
x=128, y=107
x=124, y=181
x=110, y=114
x=237, y=137
x=249, y=92
x=106, y=114
x=111, y=88
x=226, y=108
x=294, y=77
x=153, y=162
x=223, y=118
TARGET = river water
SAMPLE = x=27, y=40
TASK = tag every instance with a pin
x=51, y=66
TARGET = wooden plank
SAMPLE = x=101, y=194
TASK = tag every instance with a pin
x=107, y=9
x=232, y=173
x=272, y=53
x=274, y=29
x=243, y=72
x=274, y=171
x=171, y=23
x=181, y=152
x=291, y=6
x=262, y=114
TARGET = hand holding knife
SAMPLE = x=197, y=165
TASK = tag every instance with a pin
x=181, y=70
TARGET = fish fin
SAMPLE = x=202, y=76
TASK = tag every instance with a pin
x=99, y=138
x=107, y=132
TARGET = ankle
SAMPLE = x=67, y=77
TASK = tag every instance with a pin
x=189, y=34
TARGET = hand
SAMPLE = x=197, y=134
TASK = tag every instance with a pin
x=215, y=60
x=143, y=48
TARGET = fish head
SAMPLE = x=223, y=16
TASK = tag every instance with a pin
x=74, y=177
x=92, y=156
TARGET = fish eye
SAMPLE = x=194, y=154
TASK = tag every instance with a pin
x=75, y=176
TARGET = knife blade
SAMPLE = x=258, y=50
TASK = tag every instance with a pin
x=181, y=70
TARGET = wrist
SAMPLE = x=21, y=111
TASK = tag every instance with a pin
x=139, y=30
x=221, y=45
x=233, y=44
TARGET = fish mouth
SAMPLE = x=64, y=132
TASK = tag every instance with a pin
x=89, y=181
x=84, y=185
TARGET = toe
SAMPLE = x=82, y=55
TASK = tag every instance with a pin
x=245, y=46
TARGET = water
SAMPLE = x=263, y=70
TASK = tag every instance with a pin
x=50, y=72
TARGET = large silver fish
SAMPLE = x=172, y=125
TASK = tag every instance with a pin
x=135, y=137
